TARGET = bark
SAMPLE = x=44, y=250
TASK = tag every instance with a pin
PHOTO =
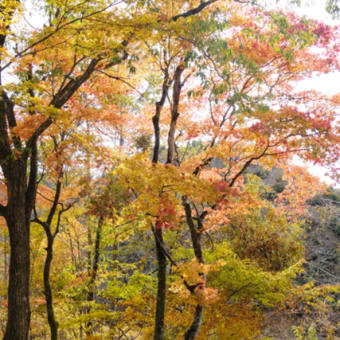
x=195, y=233
x=158, y=233
x=14, y=157
x=194, y=11
x=161, y=288
x=5, y=259
x=155, y=118
x=19, y=267
x=174, y=113
x=94, y=270
x=161, y=259
x=53, y=324
x=193, y=330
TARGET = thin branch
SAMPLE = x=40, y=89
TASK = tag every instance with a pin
x=122, y=80
x=59, y=218
x=49, y=35
x=155, y=119
x=56, y=197
x=325, y=271
x=239, y=289
x=165, y=252
x=191, y=288
x=60, y=99
x=245, y=166
x=210, y=239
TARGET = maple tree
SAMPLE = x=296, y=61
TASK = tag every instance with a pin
x=238, y=94
x=30, y=104
x=213, y=83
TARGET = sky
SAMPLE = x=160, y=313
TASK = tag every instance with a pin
x=327, y=84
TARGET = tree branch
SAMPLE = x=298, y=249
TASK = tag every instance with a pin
x=56, y=197
x=122, y=80
x=155, y=118
x=49, y=35
x=245, y=166
x=174, y=112
x=5, y=148
x=194, y=11
x=195, y=235
x=62, y=97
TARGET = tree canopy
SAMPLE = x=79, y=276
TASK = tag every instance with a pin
x=148, y=188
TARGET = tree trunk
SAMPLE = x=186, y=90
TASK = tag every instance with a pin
x=18, y=223
x=193, y=330
x=5, y=259
x=94, y=272
x=161, y=259
x=48, y=291
x=195, y=234
x=161, y=290
x=174, y=112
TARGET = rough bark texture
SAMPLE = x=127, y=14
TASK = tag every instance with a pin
x=19, y=267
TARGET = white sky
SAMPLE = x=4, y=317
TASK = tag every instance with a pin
x=327, y=84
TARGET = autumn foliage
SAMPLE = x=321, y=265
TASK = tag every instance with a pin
x=134, y=139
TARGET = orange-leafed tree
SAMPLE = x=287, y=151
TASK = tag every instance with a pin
x=220, y=74
x=40, y=71
x=228, y=80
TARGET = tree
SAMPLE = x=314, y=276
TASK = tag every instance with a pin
x=29, y=105
x=333, y=7
x=232, y=62
x=249, y=113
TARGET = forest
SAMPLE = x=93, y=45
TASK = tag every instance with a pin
x=149, y=183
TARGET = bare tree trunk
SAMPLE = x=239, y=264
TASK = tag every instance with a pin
x=19, y=267
x=161, y=259
x=47, y=289
x=194, y=328
x=195, y=233
x=174, y=112
x=51, y=235
x=94, y=271
x=161, y=288
x=158, y=233
x=5, y=260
